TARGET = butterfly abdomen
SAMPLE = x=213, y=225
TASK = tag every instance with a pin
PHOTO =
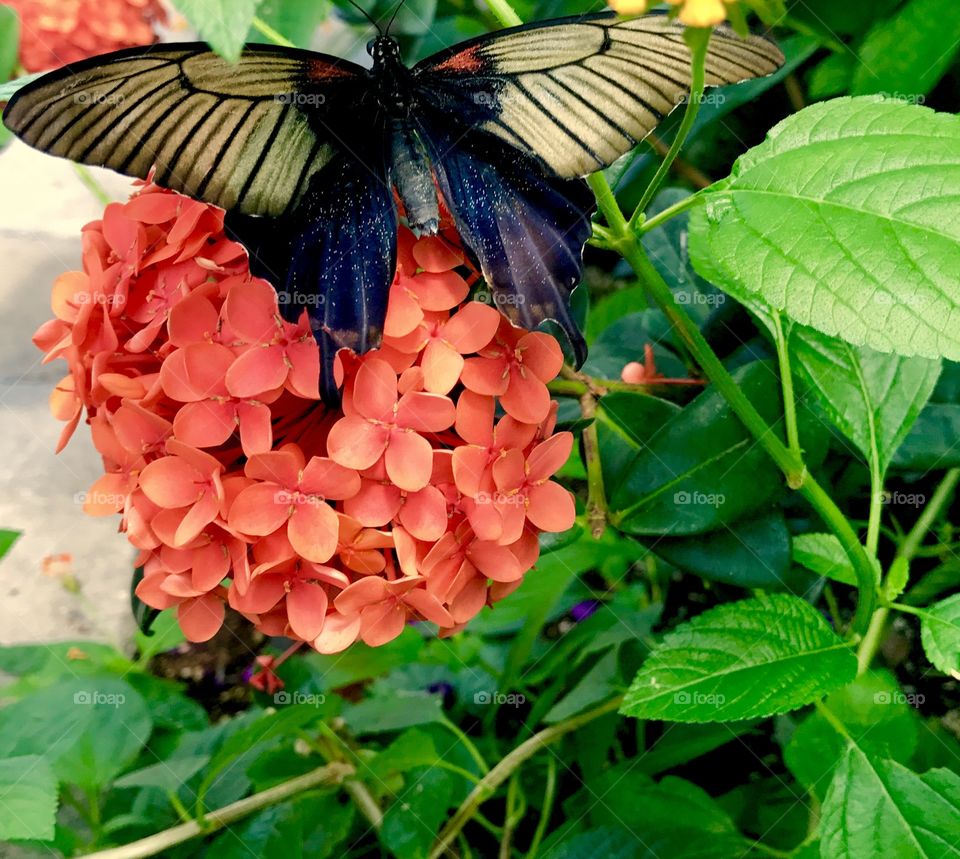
x=412, y=176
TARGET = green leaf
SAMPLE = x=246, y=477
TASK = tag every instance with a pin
x=89, y=728
x=28, y=799
x=222, y=24
x=741, y=660
x=940, y=634
x=413, y=820
x=169, y=776
x=871, y=397
x=847, y=18
x=683, y=743
x=7, y=538
x=165, y=634
x=873, y=710
x=296, y=20
x=701, y=469
x=879, y=808
x=907, y=54
x=312, y=826
x=8, y=89
x=599, y=684
x=931, y=443
x=9, y=41
x=393, y=712
x=823, y=555
x=750, y=553
x=845, y=219
x=413, y=748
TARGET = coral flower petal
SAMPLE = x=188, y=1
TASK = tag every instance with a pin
x=306, y=610
x=548, y=457
x=441, y=367
x=325, y=477
x=205, y=424
x=256, y=371
x=313, y=531
x=439, y=292
x=375, y=391
x=257, y=510
x=424, y=514
x=429, y=607
x=470, y=469
x=550, y=507
x=435, y=254
x=541, y=354
x=338, y=633
x=355, y=442
x=425, y=412
x=201, y=618
x=473, y=327
x=251, y=311
x=409, y=460
x=276, y=466
x=169, y=482
x=527, y=398
x=495, y=562
x=475, y=414
x=375, y=504
x=488, y=376
x=197, y=518
x=304, y=378
x=360, y=594
x=403, y=312
x=382, y=623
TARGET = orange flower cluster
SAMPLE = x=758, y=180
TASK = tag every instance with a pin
x=59, y=32
x=410, y=502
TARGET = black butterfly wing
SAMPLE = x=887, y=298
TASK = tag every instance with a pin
x=248, y=136
x=577, y=93
x=334, y=258
x=525, y=227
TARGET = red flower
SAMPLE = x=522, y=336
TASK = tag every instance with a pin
x=411, y=502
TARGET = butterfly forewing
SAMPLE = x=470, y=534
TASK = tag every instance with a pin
x=578, y=93
x=249, y=136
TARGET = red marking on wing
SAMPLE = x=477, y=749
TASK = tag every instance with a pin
x=319, y=70
x=466, y=61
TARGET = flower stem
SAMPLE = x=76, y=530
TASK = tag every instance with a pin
x=506, y=767
x=546, y=808
x=273, y=35
x=504, y=13
x=159, y=842
x=92, y=185
x=786, y=385
x=698, y=40
x=908, y=549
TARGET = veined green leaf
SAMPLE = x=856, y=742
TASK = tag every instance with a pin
x=940, y=634
x=741, y=660
x=846, y=219
x=222, y=24
x=28, y=799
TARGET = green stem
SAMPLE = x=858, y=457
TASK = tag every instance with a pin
x=268, y=32
x=698, y=41
x=467, y=743
x=908, y=549
x=668, y=213
x=596, y=493
x=160, y=842
x=786, y=384
x=506, y=767
x=504, y=13
x=788, y=461
x=546, y=809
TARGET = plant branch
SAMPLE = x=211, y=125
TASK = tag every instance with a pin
x=596, y=494
x=268, y=32
x=506, y=767
x=159, y=842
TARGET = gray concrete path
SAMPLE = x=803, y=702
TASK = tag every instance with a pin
x=43, y=205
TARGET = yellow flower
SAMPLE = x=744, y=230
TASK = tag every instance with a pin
x=693, y=13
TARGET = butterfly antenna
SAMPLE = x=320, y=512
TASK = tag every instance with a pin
x=393, y=17
x=366, y=15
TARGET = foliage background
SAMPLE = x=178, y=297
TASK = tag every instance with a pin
x=751, y=730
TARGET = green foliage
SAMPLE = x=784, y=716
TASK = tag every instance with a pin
x=818, y=223
x=752, y=658
x=716, y=607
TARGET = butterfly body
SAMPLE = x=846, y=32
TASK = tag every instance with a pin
x=305, y=150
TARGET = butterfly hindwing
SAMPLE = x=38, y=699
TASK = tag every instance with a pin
x=249, y=136
x=526, y=228
x=578, y=93
x=334, y=259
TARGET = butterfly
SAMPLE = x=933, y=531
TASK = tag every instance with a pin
x=309, y=152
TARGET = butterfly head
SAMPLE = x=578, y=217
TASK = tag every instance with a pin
x=385, y=51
